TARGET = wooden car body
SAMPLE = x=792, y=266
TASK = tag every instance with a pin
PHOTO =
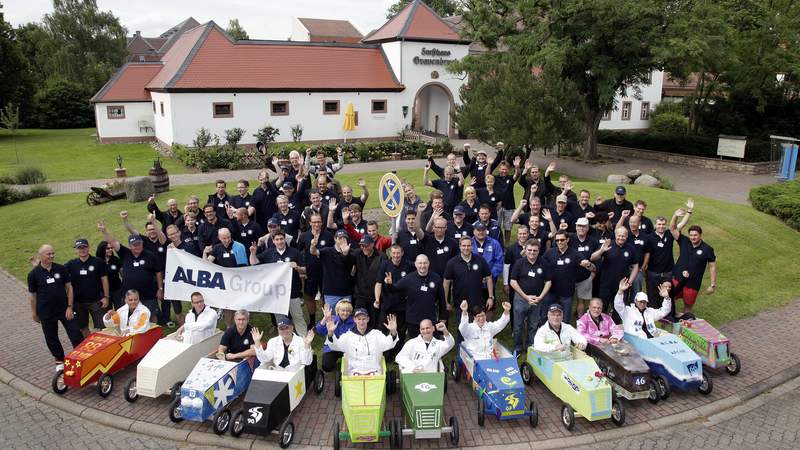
x=363, y=404
x=706, y=341
x=212, y=385
x=497, y=381
x=572, y=376
x=273, y=395
x=106, y=352
x=669, y=357
x=624, y=368
x=170, y=362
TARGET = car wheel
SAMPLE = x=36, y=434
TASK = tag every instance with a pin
x=319, y=382
x=392, y=435
x=734, y=365
x=455, y=370
x=706, y=386
x=454, y=433
x=526, y=371
x=398, y=434
x=391, y=382
x=105, y=384
x=221, y=420
x=287, y=434
x=175, y=410
x=481, y=412
x=533, y=419
x=336, y=442
x=337, y=386
x=58, y=385
x=618, y=412
x=568, y=417
x=654, y=395
x=664, y=385
x=130, y=391
x=176, y=389
x=237, y=426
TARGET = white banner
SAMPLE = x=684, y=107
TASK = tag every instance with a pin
x=261, y=288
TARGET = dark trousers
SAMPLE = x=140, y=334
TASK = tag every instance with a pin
x=50, y=330
x=654, y=279
x=400, y=316
x=330, y=360
x=166, y=305
x=412, y=331
x=607, y=294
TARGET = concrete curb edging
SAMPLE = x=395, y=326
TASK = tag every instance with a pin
x=203, y=438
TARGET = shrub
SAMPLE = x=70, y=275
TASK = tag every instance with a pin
x=267, y=135
x=202, y=138
x=10, y=195
x=684, y=144
x=663, y=181
x=64, y=104
x=233, y=136
x=39, y=191
x=29, y=175
x=7, y=179
x=669, y=123
x=297, y=133
x=780, y=199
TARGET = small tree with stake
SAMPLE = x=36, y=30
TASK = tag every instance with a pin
x=9, y=119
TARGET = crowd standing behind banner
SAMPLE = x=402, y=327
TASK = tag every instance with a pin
x=454, y=249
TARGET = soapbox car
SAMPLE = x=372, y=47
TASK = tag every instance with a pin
x=423, y=407
x=625, y=369
x=272, y=397
x=497, y=382
x=208, y=390
x=672, y=363
x=100, y=355
x=363, y=405
x=166, y=366
x=575, y=379
x=705, y=340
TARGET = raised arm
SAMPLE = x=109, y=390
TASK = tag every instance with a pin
x=425, y=179
x=113, y=242
x=128, y=226
x=364, y=192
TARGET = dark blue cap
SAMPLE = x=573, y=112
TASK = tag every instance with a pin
x=341, y=233
x=360, y=311
x=134, y=238
x=285, y=322
x=366, y=240
x=555, y=307
x=459, y=210
x=81, y=243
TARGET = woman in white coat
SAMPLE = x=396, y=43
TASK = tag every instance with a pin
x=555, y=335
x=637, y=318
x=286, y=349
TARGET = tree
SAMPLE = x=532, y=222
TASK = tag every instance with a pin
x=64, y=104
x=9, y=119
x=442, y=7
x=236, y=31
x=13, y=66
x=599, y=47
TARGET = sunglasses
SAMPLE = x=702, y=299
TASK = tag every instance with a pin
x=561, y=240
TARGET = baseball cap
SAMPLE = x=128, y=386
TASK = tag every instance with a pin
x=555, y=307
x=273, y=221
x=360, y=311
x=285, y=322
x=366, y=240
x=81, y=243
x=479, y=226
x=582, y=221
x=341, y=233
x=640, y=296
x=459, y=210
x=288, y=185
x=620, y=190
x=561, y=199
x=134, y=238
x=481, y=151
x=498, y=143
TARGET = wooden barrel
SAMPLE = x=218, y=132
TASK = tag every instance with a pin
x=160, y=179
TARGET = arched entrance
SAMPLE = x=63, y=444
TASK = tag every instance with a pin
x=433, y=106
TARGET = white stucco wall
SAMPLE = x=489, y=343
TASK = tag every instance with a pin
x=299, y=32
x=165, y=123
x=649, y=93
x=127, y=127
x=393, y=53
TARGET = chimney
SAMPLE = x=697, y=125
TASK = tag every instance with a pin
x=138, y=33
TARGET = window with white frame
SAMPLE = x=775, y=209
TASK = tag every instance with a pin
x=626, y=110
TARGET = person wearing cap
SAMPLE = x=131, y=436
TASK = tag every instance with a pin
x=209, y=230
x=478, y=166
x=583, y=242
x=469, y=276
x=617, y=204
x=313, y=281
x=637, y=318
x=154, y=240
x=492, y=226
x=171, y=216
x=295, y=194
x=422, y=292
x=492, y=251
x=264, y=196
x=363, y=346
x=141, y=269
x=337, y=264
x=51, y=302
x=478, y=335
x=200, y=323
x=561, y=215
x=368, y=264
x=563, y=263
x=342, y=317
x=617, y=260
x=286, y=350
x=245, y=230
x=281, y=252
x=556, y=335
x=89, y=277
x=237, y=341
x=321, y=163
x=450, y=184
x=423, y=353
x=243, y=200
x=598, y=327
x=530, y=281
x=288, y=219
x=459, y=227
x=131, y=318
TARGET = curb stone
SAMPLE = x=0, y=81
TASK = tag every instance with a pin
x=155, y=430
x=107, y=419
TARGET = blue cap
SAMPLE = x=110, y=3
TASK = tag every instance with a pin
x=459, y=210
x=341, y=233
x=479, y=226
x=134, y=238
x=285, y=322
x=620, y=190
x=366, y=240
x=273, y=221
x=555, y=307
x=81, y=243
x=360, y=311
x=287, y=184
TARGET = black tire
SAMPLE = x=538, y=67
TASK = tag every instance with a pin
x=533, y=419
x=734, y=365
x=336, y=442
x=664, y=384
x=567, y=417
x=221, y=421
x=130, y=391
x=526, y=371
x=105, y=384
x=455, y=434
x=654, y=395
x=237, y=425
x=618, y=412
x=337, y=386
x=175, y=411
x=286, y=434
x=481, y=412
x=397, y=434
x=58, y=385
x=706, y=386
x=455, y=370
x=391, y=382
x=176, y=389
x=392, y=435
x=319, y=382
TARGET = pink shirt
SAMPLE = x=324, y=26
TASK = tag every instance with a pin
x=607, y=329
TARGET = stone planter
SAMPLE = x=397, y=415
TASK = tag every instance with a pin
x=121, y=173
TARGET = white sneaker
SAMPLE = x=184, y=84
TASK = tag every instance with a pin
x=59, y=366
x=170, y=324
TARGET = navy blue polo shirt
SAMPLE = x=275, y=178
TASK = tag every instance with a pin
x=639, y=243
x=336, y=267
x=235, y=342
x=191, y=236
x=246, y=234
x=439, y=253
x=219, y=204
x=585, y=248
x=505, y=186
x=86, y=278
x=114, y=268
x=694, y=259
x=139, y=272
x=563, y=269
x=156, y=248
x=564, y=217
x=189, y=247
x=411, y=245
x=470, y=212
x=242, y=202
x=423, y=295
x=660, y=249
x=50, y=289
x=223, y=256
x=289, y=222
x=272, y=255
x=391, y=300
x=456, y=232
x=512, y=254
x=616, y=265
x=209, y=233
x=451, y=192
x=524, y=218
x=645, y=226
x=467, y=278
x=264, y=201
x=530, y=277
x=311, y=262
x=490, y=198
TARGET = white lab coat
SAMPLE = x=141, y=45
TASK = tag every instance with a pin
x=363, y=352
x=546, y=340
x=479, y=340
x=632, y=318
x=136, y=322
x=415, y=354
x=299, y=354
x=197, y=328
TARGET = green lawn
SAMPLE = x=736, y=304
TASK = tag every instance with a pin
x=74, y=154
x=755, y=251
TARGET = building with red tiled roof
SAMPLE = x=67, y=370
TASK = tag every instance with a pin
x=395, y=78
x=324, y=30
x=143, y=49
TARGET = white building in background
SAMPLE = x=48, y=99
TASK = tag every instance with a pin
x=394, y=77
x=632, y=111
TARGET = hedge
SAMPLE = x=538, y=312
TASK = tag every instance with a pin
x=9, y=195
x=780, y=199
x=683, y=144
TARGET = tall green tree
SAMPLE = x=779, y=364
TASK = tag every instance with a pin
x=13, y=66
x=236, y=31
x=442, y=7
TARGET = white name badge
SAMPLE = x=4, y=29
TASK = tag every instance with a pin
x=51, y=280
x=113, y=267
x=458, y=235
x=660, y=244
x=440, y=252
x=423, y=288
x=84, y=272
x=531, y=274
x=412, y=241
x=244, y=234
x=480, y=250
x=226, y=255
x=283, y=222
x=560, y=262
x=220, y=205
x=136, y=264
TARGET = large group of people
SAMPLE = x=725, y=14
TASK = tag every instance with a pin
x=571, y=260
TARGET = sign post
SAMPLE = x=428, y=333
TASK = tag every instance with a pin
x=391, y=195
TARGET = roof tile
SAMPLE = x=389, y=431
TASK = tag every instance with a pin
x=416, y=21
x=128, y=84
